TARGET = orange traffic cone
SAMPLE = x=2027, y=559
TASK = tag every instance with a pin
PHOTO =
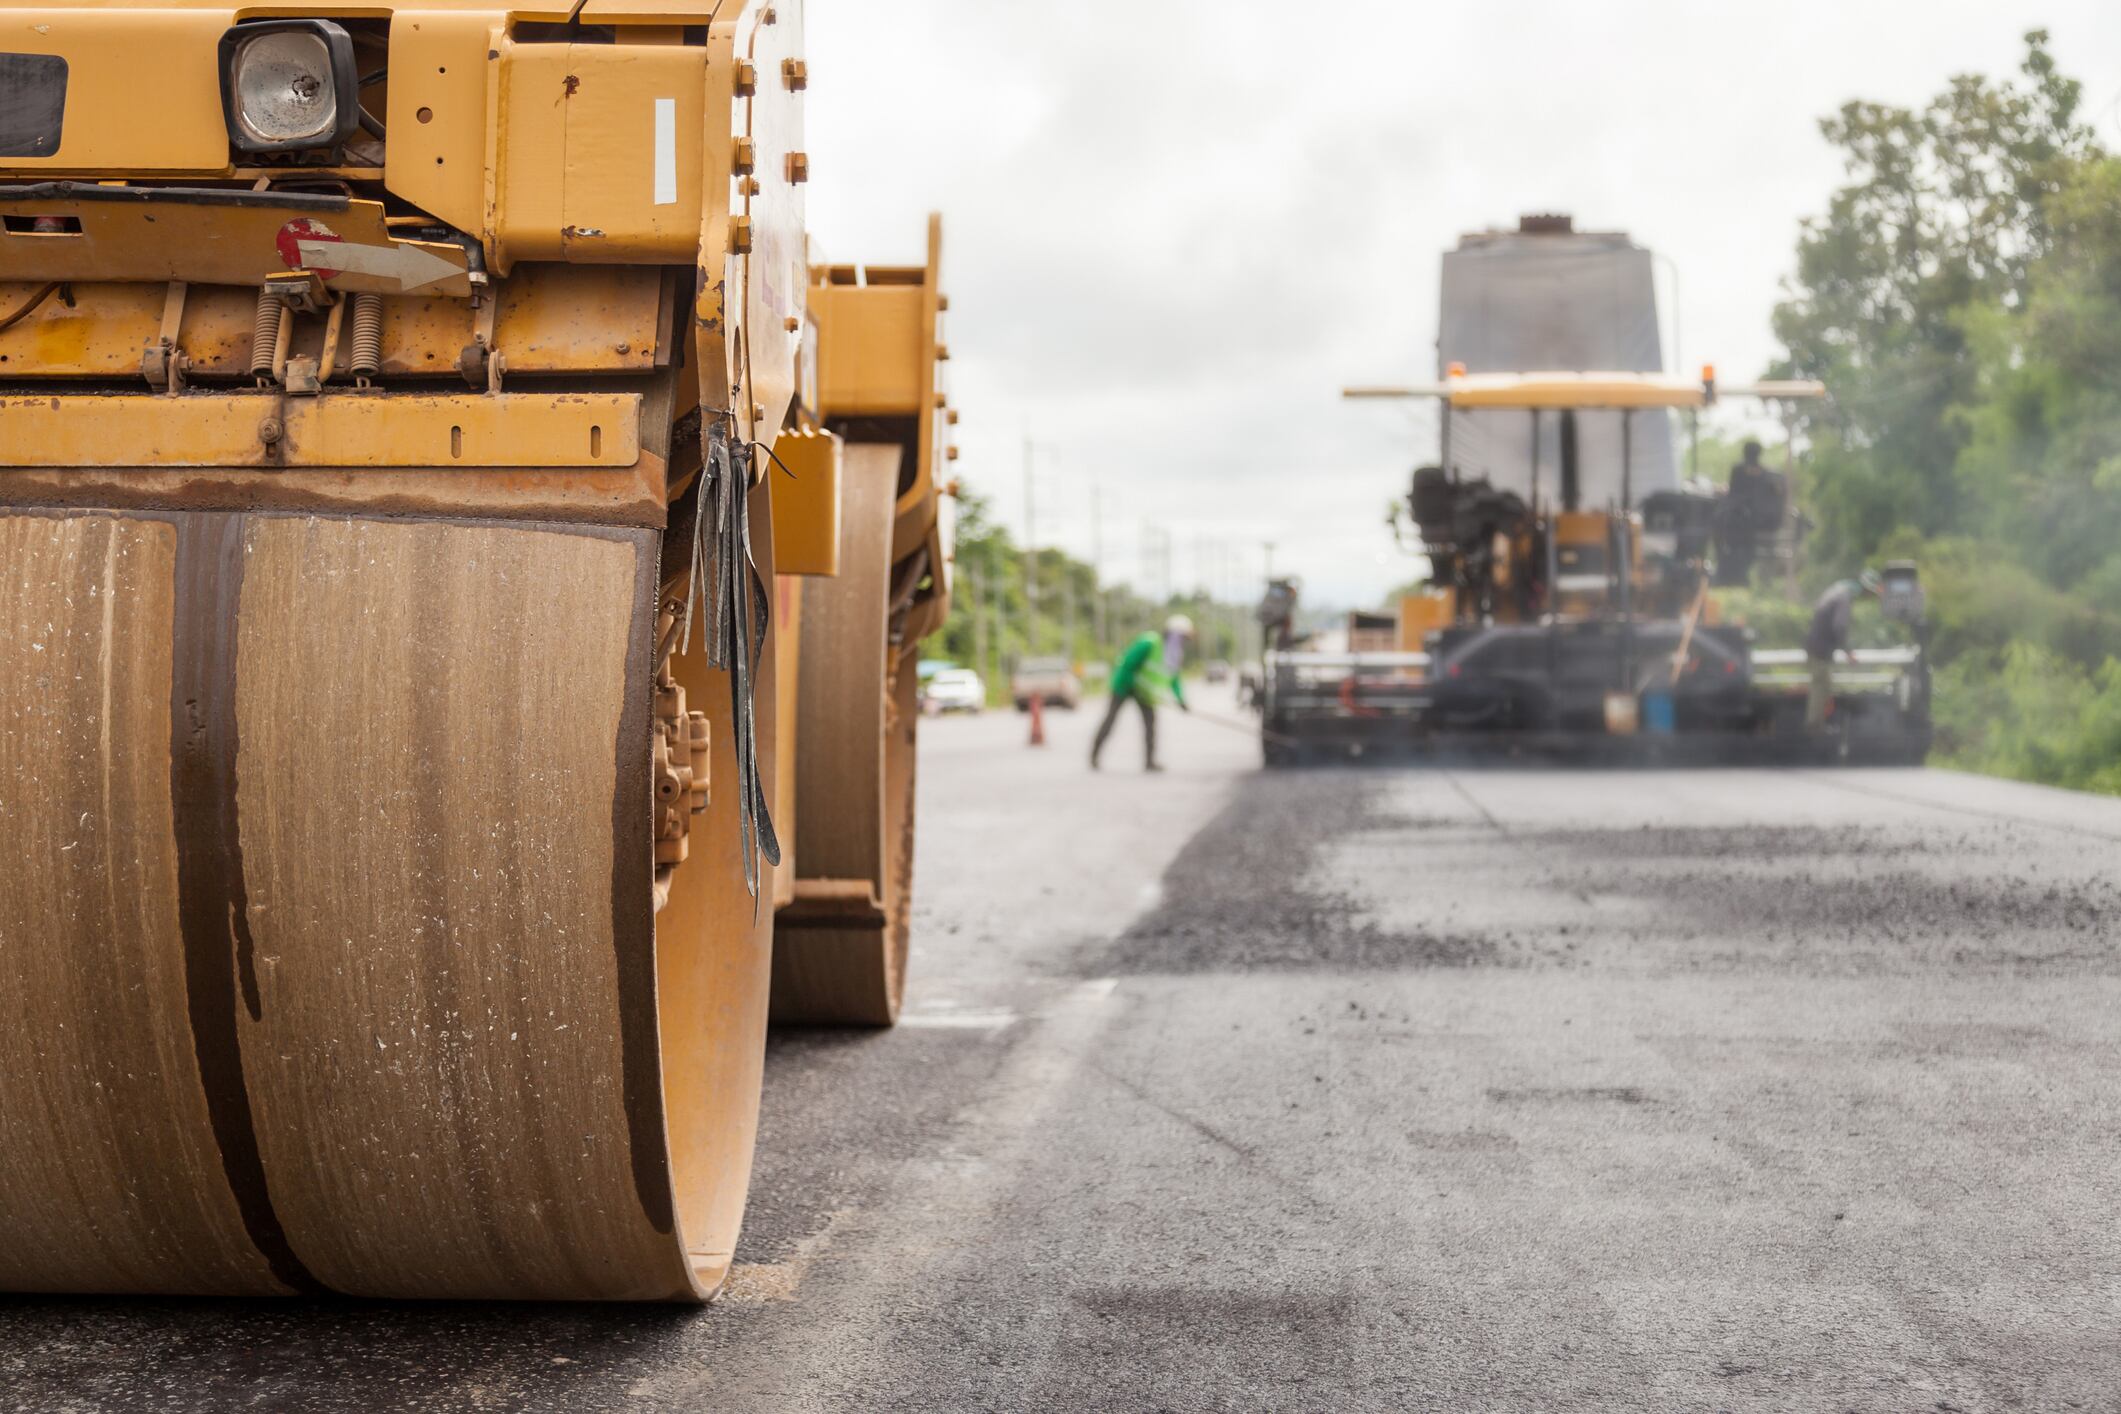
x=1038, y=721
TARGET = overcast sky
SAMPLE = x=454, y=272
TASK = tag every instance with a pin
x=1175, y=229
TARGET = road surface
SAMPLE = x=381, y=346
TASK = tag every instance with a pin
x=1337, y=1089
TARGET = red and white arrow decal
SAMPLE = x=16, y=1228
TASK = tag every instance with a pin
x=311, y=245
x=307, y=245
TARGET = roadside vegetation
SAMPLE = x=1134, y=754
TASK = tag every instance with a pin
x=992, y=624
x=1961, y=298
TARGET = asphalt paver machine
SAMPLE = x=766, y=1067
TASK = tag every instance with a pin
x=1554, y=624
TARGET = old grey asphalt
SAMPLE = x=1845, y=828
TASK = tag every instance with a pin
x=1409, y=1089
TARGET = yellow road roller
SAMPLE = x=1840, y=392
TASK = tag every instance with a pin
x=839, y=952
x=419, y=463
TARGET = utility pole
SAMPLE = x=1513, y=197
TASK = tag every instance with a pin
x=1097, y=569
x=1030, y=555
x=1150, y=596
x=991, y=585
x=1069, y=586
x=1225, y=596
x=1066, y=566
x=1789, y=498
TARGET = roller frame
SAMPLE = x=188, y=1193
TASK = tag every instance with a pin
x=330, y=956
x=840, y=947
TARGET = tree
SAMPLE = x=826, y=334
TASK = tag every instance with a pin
x=1947, y=209
x=990, y=625
x=1961, y=298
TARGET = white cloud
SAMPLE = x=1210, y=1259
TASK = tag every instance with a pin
x=1174, y=230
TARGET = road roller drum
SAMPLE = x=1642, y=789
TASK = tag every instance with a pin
x=398, y=734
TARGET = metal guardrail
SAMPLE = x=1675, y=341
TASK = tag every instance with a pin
x=1347, y=660
x=1778, y=670
x=1896, y=657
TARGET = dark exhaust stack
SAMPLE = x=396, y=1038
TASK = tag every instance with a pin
x=1546, y=223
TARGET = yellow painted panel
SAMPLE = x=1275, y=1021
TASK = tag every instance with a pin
x=869, y=349
x=100, y=334
x=529, y=178
x=553, y=318
x=341, y=429
x=806, y=503
x=143, y=87
x=628, y=197
x=594, y=166
x=1419, y=614
x=1575, y=390
x=437, y=118
x=177, y=238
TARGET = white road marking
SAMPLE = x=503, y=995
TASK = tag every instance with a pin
x=991, y=1020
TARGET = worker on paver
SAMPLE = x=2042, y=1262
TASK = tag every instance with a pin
x=1139, y=677
x=1752, y=511
x=1830, y=635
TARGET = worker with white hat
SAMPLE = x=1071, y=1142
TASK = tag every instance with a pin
x=1138, y=678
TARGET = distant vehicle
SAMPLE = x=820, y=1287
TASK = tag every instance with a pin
x=953, y=690
x=1049, y=680
x=1216, y=671
x=927, y=668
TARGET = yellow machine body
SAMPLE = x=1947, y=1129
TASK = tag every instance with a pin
x=840, y=948
x=381, y=916
x=1422, y=614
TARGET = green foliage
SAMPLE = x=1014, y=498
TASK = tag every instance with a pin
x=1776, y=620
x=991, y=625
x=2034, y=715
x=1714, y=451
x=1961, y=298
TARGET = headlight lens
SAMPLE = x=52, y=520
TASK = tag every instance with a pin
x=283, y=88
x=288, y=85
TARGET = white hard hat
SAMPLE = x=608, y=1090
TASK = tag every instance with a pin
x=1178, y=623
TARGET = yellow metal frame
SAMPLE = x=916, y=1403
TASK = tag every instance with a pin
x=806, y=503
x=880, y=352
x=168, y=236
x=466, y=430
x=1423, y=613
x=1588, y=391
x=656, y=150
x=550, y=319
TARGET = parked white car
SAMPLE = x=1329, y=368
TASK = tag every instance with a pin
x=954, y=690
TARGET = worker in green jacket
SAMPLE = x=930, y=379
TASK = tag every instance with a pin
x=1148, y=666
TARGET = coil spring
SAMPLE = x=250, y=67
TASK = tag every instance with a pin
x=367, y=335
x=265, y=334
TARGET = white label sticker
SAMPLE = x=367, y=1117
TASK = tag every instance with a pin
x=666, y=152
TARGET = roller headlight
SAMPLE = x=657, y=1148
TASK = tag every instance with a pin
x=288, y=85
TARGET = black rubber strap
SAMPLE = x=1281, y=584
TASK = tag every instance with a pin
x=177, y=196
x=739, y=614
